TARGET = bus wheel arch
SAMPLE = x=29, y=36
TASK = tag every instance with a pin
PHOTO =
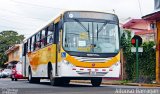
x=49, y=68
x=30, y=78
x=29, y=74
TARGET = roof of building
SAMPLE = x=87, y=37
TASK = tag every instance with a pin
x=12, y=48
x=132, y=22
x=152, y=16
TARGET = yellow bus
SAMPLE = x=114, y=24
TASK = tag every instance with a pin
x=76, y=45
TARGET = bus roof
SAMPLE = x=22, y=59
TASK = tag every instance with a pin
x=59, y=15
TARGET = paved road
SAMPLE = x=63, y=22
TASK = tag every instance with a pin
x=23, y=87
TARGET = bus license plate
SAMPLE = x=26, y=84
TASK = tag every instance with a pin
x=92, y=73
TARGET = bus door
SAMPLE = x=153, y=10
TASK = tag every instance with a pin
x=57, y=41
x=24, y=59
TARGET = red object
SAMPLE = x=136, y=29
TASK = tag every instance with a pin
x=133, y=41
x=110, y=69
x=93, y=64
x=81, y=69
x=17, y=72
x=73, y=68
x=139, y=40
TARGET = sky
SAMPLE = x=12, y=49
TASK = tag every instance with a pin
x=27, y=16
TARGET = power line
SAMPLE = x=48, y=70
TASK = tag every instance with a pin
x=140, y=9
x=14, y=27
x=35, y=5
x=20, y=15
x=14, y=21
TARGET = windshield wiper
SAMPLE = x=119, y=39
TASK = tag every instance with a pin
x=99, y=30
x=87, y=30
x=102, y=27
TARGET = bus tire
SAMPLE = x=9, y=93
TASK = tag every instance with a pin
x=96, y=82
x=65, y=81
x=32, y=79
x=53, y=80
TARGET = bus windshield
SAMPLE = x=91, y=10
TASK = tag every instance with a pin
x=91, y=36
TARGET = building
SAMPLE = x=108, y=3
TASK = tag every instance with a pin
x=14, y=54
x=142, y=28
x=155, y=19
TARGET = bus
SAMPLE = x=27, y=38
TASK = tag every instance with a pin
x=76, y=45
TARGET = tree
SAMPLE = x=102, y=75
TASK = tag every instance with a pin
x=7, y=39
x=146, y=62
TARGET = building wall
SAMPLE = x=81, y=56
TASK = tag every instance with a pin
x=148, y=37
x=15, y=54
x=142, y=25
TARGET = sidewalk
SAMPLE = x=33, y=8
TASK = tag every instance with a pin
x=118, y=82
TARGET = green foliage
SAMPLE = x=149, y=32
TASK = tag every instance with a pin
x=7, y=39
x=147, y=59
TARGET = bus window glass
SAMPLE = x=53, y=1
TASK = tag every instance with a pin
x=33, y=43
x=50, y=38
x=29, y=45
x=50, y=31
x=93, y=37
x=43, y=38
x=37, y=45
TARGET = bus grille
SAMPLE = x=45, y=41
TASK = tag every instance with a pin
x=90, y=59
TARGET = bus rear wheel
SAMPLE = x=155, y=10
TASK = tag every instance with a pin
x=31, y=79
x=96, y=82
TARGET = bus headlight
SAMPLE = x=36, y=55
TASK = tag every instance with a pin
x=67, y=63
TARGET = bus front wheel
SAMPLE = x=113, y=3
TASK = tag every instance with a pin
x=96, y=82
x=53, y=80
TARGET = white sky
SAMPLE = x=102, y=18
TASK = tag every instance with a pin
x=26, y=16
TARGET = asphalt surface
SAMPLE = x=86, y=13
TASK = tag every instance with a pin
x=24, y=87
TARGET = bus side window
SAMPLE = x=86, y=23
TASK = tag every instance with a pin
x=43, y=38
x=25, y=48
x=50, y=33
x=33, y=43
x=29, y=46
x=37, y=43
x=50, y=38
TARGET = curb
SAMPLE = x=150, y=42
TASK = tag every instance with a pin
x=126, y=84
